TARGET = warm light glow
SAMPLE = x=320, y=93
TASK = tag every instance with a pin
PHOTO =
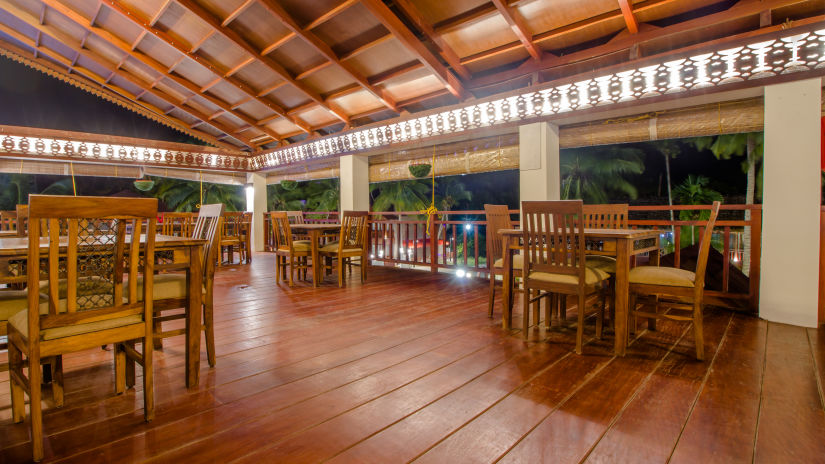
x=250, y=198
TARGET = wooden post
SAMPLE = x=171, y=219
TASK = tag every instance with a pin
x=756, y=255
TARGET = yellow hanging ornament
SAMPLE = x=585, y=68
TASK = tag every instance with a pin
x=432, y=209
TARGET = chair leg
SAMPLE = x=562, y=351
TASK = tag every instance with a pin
x=277, y=268
x=57, y=380
x=525, y=297
x=631, y=307
x=341, y=265
x=492, y=294
x=537, y=308
x=130, y=366
x=209, y=329
x=698, y=332
x=600, y=317
x=120, y=368
x=563, y=309
x=148, y=381
x=18, y=406
x=548, y=310
x=364, y=264
x=580, y=325
x=157, y=328
x=291, y=268
x=35, y=407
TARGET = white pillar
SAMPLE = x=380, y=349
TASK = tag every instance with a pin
x=355, y=183
x=256, y=203
x=538, y=145
x=789, y=283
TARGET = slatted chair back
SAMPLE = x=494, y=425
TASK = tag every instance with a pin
x=102, y=246
x=498, y=217
x=279, y=221
x=605, y=216
x=704, y=247
x=177, y=224
x=208, y=226
x=8, y=221
x=236, y=223
x=22, y=213
x=554, y=237
x=295, y=217
x=353, y=230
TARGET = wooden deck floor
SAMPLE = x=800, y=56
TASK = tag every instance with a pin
x=409, y=367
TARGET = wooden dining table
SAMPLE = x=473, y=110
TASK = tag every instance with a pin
x=621, y=244
x=182, y=253
x=314, y=232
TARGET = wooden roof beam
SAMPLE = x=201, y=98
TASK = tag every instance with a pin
x=629, y=18
x=519, y=27
x=67, y=41
x=156, y=17
x=312, y=70
x=447, y=52
x=365, y=47
x=418, y=49
x=271, y=88
x=325, y=50
x=271, y=47
x=136, y=19
x=330, y=14
x=237, y=12
x=143, y=58
x=236, y=38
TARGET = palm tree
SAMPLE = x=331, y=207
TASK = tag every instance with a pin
x=16, y=192
x=404, y=195
x=279, y=198
x=322, y=195
x=669, y=150
x=184, y=195
x=450, y=192
x=751, y=146
x=694, y=191
x=596, y=176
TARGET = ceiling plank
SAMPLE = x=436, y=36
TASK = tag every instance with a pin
x=237, y=12
x=325, y=50
x=137, y=19
x=519, y=27
x=271, y=47
x=147, y=60
x=67, y=41
x=447, y=52
x=418, y=49
x=237, y=39
x=629, y=18
x=362, y=48
x=330, y=14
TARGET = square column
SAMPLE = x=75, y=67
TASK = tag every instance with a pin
x=355, y=183
x=789, y=284
x=539, y=177
x=256, y=204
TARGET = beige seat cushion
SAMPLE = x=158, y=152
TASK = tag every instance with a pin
x=591, y=276
x=164, y=286
x=12, y=302
x=299, y=245
x=605, y=263
x=668, y=276
x=333, y=248
x=20, y=321
x=518, y=262
x=85, y=286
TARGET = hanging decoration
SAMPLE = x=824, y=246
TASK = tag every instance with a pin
x=143, y=183
x=432, y=209
x=419, y=170
x=74, y=185
x=289, y=185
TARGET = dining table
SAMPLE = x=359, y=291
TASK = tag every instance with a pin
x=621, y=244
x=314, y=231
x=177, y=254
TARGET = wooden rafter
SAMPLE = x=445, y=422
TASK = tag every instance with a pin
x=335, y=11
x=219, y=71
x=90, y=79
x=326, y=51
x=418, y=49
x=237, y=39
x=743, y=9
x=629, y=17
x=237, y=12
x=148, y=61
x=447, y=51
x=519, y=27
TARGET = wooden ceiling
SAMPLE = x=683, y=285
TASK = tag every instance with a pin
x=256, y=74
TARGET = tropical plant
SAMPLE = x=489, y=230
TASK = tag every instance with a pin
x=596, y=176
x=279, y=198
x=322, y=195
x=60, y=187
x=450, y=192
x=16, y=191
x=694, y=191
x=184, y=195
x=404, y=195
x=669, y=150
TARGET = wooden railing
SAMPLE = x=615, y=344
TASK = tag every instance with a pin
x=457, y=241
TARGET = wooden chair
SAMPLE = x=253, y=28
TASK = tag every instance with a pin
x=171, y=290
x=351, y=243
x=177, y=224
x=95, y=311
x=498, y=217
x=554, y=259
x=8, y=221
x=22, y=213
x=236, y=233
x=605, y=217
x=288, y=251
x=297, y=217
x=677, y=290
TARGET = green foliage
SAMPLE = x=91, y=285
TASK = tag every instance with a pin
x=316, y=195
x=727, y=146
x=694, y=191
x=405, y=195
x=450, y=193
x=598, y=176
x=61, y=187
x=419, y=170
x=15, y=191
x=184, y=195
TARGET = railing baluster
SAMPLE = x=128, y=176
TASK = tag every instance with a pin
x=726, y=259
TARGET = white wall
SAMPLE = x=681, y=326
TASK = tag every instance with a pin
x=539, y=162
x=355, y=183
x=256, y=203
x=791, y=202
